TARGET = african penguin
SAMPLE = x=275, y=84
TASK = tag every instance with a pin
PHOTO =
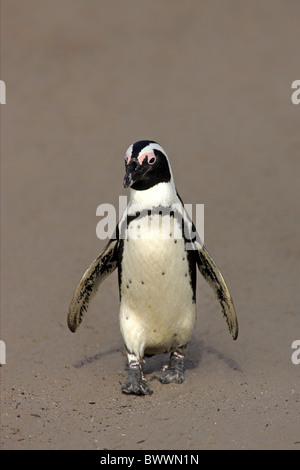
x=156, y=250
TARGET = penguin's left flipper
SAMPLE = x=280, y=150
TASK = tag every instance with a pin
x=214, y=278
x=100, y=268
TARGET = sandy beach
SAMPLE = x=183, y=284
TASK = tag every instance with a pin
x=211, y=82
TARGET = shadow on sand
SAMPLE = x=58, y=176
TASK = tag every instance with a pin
x=195, y=355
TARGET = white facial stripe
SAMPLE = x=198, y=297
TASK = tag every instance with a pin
x=143, y=155
x=128, y=154
x=148, y=151
x=152, y=147
x=144, y=152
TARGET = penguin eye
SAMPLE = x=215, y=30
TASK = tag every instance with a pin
x=151, y=160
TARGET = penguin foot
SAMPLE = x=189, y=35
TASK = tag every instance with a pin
x=174, y=371
x=136, y=383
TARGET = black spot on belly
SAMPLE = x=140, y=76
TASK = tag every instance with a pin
x=143, y=282
x=163, y=273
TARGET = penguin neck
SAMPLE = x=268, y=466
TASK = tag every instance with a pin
x=161, y=193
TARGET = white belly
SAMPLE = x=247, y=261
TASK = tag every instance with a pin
x=157, y=312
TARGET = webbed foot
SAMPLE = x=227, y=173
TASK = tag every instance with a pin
x=174, y=371
x=136, y=383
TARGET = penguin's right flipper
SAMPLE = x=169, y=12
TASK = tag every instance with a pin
x=100, y=268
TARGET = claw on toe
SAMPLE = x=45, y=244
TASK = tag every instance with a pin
x=170, y=375
x=136, y=389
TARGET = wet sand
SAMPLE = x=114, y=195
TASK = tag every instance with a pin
x=211, y=82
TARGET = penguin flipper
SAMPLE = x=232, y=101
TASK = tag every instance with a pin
x=214, y=278
x=87, y=288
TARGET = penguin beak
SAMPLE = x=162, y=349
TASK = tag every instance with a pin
x=134, y=172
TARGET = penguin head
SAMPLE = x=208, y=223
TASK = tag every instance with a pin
x=146, y=165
